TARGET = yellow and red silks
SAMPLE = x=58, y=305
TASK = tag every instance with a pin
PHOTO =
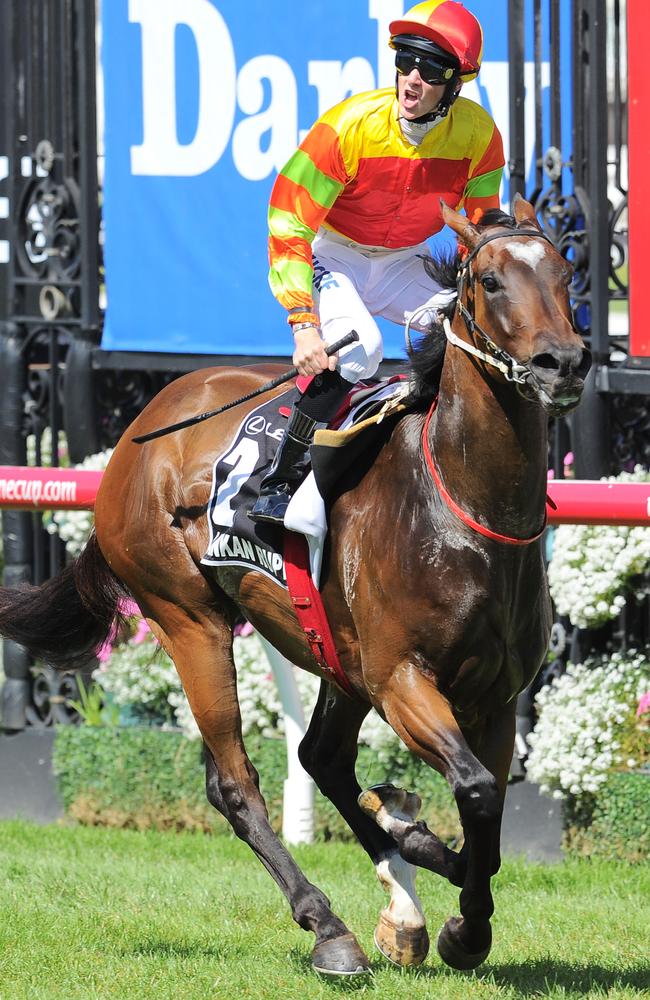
x=356, y=174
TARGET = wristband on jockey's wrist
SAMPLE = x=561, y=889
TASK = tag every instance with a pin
x=301, y=319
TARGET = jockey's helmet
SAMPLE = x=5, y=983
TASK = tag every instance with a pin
x=445, y=33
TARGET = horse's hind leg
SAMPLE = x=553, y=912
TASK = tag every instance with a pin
x=201, y=647
x=328, y=752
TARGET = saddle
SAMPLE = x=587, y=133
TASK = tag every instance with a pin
x=291, y=556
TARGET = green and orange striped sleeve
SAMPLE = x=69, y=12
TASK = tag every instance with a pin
x=482, y=188
x=302, y=195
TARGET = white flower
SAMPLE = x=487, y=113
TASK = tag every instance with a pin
x=575, y=741
x=593, y=566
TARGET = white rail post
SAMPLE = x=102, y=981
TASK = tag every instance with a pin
x=298, y=801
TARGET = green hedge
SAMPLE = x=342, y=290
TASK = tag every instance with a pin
x=618, y=825
x=146, y=777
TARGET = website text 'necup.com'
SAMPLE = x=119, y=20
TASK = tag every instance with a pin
x=37, y=492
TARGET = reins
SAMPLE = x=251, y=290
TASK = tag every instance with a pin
x=454, y=507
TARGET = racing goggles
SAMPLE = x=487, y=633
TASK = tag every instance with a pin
x=430, y=70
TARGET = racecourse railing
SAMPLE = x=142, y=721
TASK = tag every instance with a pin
x=572, y=501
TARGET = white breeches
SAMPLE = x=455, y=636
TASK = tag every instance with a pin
x=353, y=283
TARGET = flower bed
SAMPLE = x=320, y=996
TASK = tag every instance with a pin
x=591, y=747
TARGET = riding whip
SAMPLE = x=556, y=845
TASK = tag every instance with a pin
x=350, y=338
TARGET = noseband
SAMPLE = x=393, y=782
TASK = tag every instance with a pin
x=497, y=357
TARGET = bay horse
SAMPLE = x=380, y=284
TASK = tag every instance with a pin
x=433, y=582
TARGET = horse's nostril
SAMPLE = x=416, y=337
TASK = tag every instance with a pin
x=585, y=364
x=546, y=361
x=563, y=362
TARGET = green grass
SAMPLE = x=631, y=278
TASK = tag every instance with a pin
x=95, y=913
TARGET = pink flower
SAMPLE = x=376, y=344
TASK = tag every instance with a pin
x=103, y=652
x=644, y=704
x=129, y=608
x=141, y=632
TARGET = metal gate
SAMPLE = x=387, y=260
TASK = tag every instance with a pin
x=49, y=291
x=580, y=190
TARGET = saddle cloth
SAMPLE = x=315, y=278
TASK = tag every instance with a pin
x=235, y=540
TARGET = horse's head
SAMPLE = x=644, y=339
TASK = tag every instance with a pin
x=514, y=297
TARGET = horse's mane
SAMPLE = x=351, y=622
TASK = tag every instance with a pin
x=427, y=353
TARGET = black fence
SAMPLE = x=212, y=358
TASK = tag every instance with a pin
x=49, y=302
x=582, y=202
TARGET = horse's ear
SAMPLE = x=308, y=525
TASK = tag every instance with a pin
x=524, y=212
x=467, y=233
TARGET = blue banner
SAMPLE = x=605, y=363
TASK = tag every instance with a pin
x=205, y=100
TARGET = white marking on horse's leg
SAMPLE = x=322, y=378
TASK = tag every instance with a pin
x=393, y=809
x=397, y=876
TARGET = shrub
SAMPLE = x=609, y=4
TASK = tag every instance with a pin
x=619, y=826
x=146, y=777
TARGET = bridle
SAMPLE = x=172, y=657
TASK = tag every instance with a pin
x=497, y=357
x=514, y=371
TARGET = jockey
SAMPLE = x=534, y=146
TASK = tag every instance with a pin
x=351, y=211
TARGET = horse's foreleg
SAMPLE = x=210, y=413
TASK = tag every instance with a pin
x=494, y=748
x=422, y=717
x=202, y=653
x=328, y=752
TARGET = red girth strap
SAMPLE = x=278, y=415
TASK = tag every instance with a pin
x=309, y=609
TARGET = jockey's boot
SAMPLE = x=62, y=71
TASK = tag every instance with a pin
x=287, y=471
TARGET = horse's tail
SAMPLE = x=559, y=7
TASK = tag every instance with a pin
x=64, y=620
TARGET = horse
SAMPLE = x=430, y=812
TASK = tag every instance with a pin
x=433, y=582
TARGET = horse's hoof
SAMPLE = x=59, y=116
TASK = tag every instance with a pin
x=452, y=951
x=340, y=956
x=397, y=802
x=401, y=945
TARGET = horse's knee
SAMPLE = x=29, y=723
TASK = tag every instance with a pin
x=325, y=772
x=308, y=757
x=240, y=803
x=479, y=799
x=213, y=792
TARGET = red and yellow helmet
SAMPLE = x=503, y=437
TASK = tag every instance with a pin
x=446, y=25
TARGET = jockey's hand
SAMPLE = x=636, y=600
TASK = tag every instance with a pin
x=309, y=355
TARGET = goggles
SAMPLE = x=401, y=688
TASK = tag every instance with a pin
x=429, y=69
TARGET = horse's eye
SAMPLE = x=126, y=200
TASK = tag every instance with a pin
x=489, y=283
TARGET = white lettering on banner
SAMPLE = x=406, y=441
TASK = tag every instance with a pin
x=383, y=12
x=264, y=140
x=335, y=81
x=35, y=491
x=280, y=119
x=160, y=153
